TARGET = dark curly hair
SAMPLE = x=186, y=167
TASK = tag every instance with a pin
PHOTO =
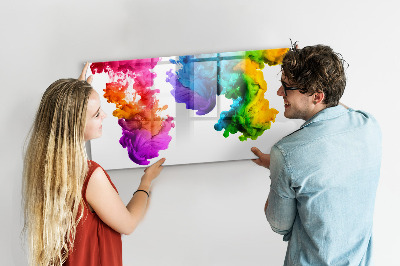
x=316, y=69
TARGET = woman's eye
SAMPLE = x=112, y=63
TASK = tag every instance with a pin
x=97, y=115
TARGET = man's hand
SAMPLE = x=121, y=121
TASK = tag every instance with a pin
x=263, y=158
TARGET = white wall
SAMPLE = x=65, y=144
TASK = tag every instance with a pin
x=204, y=214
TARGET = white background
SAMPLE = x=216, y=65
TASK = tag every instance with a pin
x=203, y=214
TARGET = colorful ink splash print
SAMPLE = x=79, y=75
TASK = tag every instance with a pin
x=243, y=82
x=194, y=83
x=239, y=77
x=197, y=81
x=144, y=131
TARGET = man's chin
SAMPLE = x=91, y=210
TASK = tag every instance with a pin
x=290, y=116
x=287, y=115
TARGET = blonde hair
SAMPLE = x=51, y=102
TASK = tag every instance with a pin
x=55, y=167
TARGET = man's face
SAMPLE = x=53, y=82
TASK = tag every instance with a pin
x=297, y=104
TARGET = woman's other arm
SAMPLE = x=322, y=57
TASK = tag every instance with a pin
x=108, y=205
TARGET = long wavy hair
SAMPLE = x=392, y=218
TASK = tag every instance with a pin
x=55, y=167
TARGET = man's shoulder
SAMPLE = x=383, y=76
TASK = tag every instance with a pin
x=323, y=127
x=365, y=116
x=292, y=142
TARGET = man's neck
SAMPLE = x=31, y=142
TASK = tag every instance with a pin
x=318, y=108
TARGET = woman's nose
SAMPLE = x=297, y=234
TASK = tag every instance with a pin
x=104, y=114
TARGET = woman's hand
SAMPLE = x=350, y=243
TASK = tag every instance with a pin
x=83, y=74
x=151, y=172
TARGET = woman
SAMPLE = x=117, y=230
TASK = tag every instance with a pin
x=73, y=213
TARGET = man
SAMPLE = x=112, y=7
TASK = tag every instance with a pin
x=323, y=176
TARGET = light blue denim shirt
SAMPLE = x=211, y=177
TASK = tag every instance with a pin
x=324, y=178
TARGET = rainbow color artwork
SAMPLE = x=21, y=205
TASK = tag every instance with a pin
x=144, y=132
x=158, y=101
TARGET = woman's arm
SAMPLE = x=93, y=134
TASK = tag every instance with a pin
x=108, y=205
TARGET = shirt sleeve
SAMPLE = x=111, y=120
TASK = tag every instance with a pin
x=281, y=210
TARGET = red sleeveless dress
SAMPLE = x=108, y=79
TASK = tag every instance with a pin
x=95, y=242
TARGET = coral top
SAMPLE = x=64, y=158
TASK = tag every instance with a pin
x=95, y=242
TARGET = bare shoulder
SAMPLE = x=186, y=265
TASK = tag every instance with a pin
x=98, y=173
x=98, y=183
x=105, y=201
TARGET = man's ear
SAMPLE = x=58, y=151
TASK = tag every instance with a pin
x=318, y=97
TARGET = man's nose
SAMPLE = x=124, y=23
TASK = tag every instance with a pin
x=280, y=91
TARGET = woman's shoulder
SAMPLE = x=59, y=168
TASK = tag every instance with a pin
x=93, y=164
x=95, y=168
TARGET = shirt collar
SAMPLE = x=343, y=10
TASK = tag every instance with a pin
x=326, y=114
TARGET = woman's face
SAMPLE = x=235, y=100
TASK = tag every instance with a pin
x=94, y=117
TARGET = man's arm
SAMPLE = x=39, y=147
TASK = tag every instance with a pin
x=280, y=208
x=280, y=213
